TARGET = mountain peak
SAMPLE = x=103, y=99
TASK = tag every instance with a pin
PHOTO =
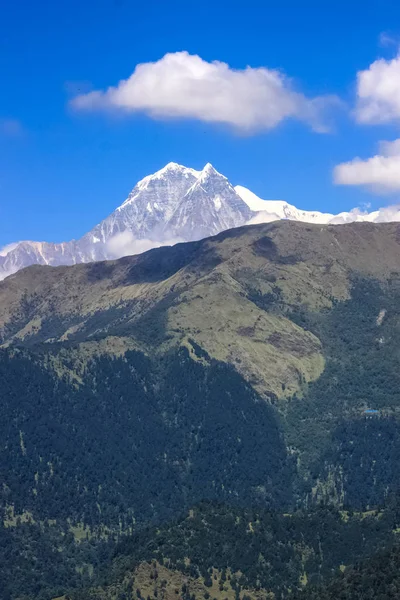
x=170, y=174
x=208, y=171
x=171, y=168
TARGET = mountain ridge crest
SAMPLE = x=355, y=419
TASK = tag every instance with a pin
x=174, y=204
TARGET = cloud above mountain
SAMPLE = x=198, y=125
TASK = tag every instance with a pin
x=378, y=92
x=378, y=102
x=381, y=172
x=181, y=85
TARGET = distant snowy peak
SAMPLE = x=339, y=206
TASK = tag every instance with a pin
x=149, y=206
x=253, y=202
x=208, y=172
x=171, y=173
x=210, y=205
x=174, y=204
x=177, y=203
x=211, y=180
x=281, y=209
x=271, y=210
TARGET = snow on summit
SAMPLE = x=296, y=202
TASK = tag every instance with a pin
x=174, y=204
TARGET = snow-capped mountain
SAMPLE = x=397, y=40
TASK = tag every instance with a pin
x=174, y=204
x=209, y=206
x=265, y=211
x=149, y=207
x=272, y=210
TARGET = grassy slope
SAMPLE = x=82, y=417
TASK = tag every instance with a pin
x=229, y=293
x=155, y=580
x=236, y=296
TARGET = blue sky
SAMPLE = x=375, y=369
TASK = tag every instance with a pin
x=63, y=169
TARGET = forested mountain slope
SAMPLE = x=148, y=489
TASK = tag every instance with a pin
x=258, y=368
x=302, y=323
x=137, y=441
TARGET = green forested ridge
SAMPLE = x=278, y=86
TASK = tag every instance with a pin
x=234, y=370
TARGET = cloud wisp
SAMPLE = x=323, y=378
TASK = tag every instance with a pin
x=185, y=86
x=381, y=173
x=125, y=244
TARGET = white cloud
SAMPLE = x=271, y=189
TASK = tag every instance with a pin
x=124, y=244
x=380, y=172
x=378, y=92
x=388, y=214
x=181, y=85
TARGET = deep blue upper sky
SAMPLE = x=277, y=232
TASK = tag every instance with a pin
x=65, y=170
